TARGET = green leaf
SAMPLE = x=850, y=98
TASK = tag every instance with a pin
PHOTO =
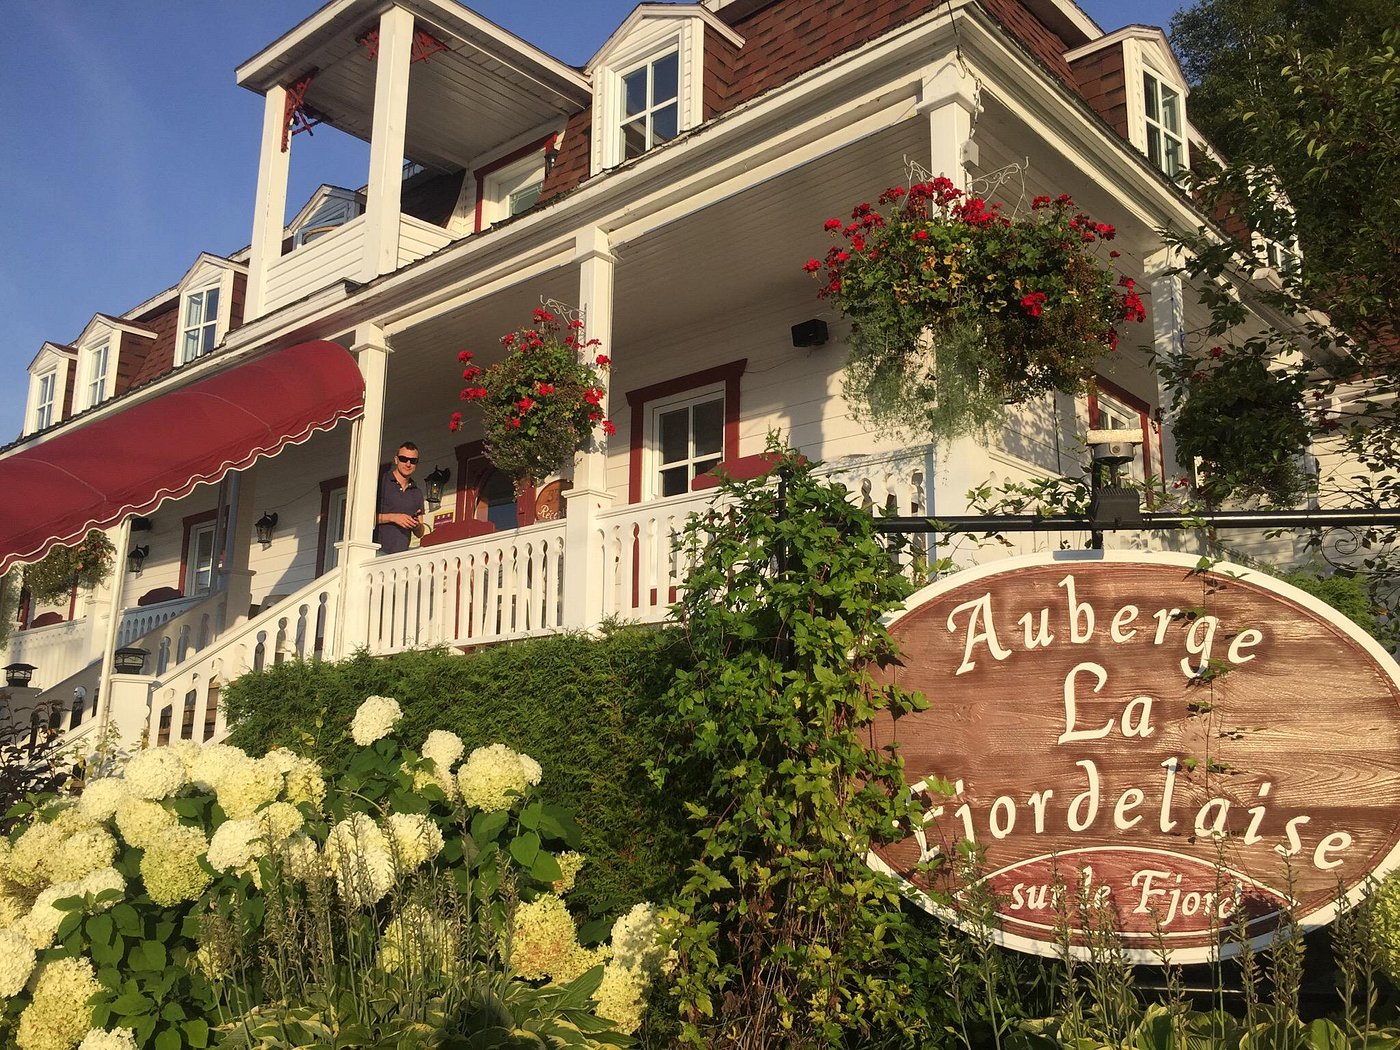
x=169, y=1039
x=525, y=848
x=545, y=867
x=486, y=826
x=124, y=915
x=197, y=1033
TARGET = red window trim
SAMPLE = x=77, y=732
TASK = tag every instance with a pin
x=188, y=525
x=637, y=400
x=327, y=487
x=486, y=170
x=474, y=469
x=1151, y=428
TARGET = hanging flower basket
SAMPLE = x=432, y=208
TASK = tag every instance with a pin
x=1245, y=422
x=958, y=311
x=542, y=401
x=87, y=564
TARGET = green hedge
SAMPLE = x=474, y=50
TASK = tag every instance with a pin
x=589, y=710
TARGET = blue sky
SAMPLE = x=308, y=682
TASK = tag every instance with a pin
x=129, y=149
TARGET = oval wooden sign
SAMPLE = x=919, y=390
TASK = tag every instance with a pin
x=1131, y=743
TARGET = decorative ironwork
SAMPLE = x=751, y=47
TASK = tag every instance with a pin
x=425, y=45
x=297, y=115
x=563, y=310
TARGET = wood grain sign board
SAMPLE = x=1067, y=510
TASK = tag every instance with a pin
x=1090, y=761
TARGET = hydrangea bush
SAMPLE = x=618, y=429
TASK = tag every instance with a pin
x=204, y=897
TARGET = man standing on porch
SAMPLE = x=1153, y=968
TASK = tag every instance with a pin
x=399, y=509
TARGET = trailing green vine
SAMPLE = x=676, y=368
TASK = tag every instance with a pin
x=787, y=938
x=87, y=564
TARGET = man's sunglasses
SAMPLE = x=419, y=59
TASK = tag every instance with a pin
x=408, y=459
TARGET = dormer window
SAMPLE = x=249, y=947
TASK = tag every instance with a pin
x=650, y=98
x=1163, y=111
x=512, y=188
x=98, y=365
x=199, y=328
x=45, y=397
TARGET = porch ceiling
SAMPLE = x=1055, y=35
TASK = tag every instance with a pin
x=486, y=90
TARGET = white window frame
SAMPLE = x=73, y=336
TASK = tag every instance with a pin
x=335, y=527
x=1154, y=88
x=651, y=436
x=506, y=182
x=619, y=116
x=46, y=403
x=193, y=571
x=1123, y=416
x=205, y=324
x=96, y=373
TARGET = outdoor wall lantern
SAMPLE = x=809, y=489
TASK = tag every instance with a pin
x=140, y=524
x=131, y=660
x=137, y=558
x=265, y=525
x=435, y=481
x=17, y=676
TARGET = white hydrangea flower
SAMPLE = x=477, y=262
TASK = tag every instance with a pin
x=418, y=940
x=83, y=853
x=248, y=786
x=494, y=777
x=300, y=857
x=278, y=820
x=100, y=798
x=375, y=719
x=621, y=997
x=40, y=924
x=570, y=864
x=99, y=882
x=302, y=778
x=58, y=1014
x=357, y=855
x=443, y=749
x=637, y=940
x=116, y=1039
x=141, y=821
x=155, y=773
x=415, y=839
x=213, y=763
x=235, y=845
x=12, y=909
x=16, y=962
x=170, y=867
x=189, y=751
x=28, y=864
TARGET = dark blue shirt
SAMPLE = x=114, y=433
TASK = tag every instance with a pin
x=393, y=500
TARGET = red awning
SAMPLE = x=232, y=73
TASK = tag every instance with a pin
x=92, y=475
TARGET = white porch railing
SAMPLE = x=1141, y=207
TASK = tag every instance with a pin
x=184, y=704
x=142, y=620
x=642, y=566
x=58, y=651
x=486, y=589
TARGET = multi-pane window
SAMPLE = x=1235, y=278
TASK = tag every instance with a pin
x=650, y=105
x=514, y=189
x=1165, y=145
x=335, y=528
x=1111, y=414
x=44, y=403
x=687, y=439
x=199, y=564
x=201, y=321
x=97, y=374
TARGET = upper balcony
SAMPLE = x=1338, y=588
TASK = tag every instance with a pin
x=427, y=82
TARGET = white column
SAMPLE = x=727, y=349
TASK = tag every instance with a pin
x=583, y=554
x=130, y=712
x=386, y=144
x=270, y=201
x=236, y=578
x=114, y=619
x=361, y=490
x=1168, y=339
x=948, y=97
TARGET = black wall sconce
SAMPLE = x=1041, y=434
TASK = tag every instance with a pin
x=137, y=558
x=812, y=332
x=18, y=676
x=130, y=660
x=264, y=527
x=140, y=524
x=435, y=482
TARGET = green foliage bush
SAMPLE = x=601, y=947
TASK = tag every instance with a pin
x=589, y=710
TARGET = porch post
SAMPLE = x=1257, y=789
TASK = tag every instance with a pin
x=1168, y=338
x=115, y=605
x=270, y=202
x=948, y=97
x=358, y=548
x=384, y=195
x=583, y=555
x=236, y=579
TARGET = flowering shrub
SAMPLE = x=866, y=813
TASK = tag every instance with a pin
x=957, y=310
x=542, y=401
x=87, y=564
x=202, y=884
